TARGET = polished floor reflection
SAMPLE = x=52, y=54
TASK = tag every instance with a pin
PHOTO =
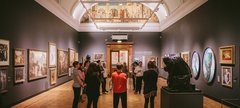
x=62, y=96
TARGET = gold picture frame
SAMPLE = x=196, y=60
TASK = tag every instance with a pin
x=53, y=76
x=19, y=73
x=71, y=56
x=62, y=62
x=5, y=52
x=227, y=55
x=186, y=57
x=19, y=57
x=226, y=76
x=52, y=54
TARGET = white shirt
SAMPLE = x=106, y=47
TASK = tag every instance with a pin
x=139, y=71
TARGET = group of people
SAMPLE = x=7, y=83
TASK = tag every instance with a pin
x=88, y=77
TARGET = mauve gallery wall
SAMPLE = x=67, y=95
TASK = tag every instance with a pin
x=214, y=24
x=28, y=25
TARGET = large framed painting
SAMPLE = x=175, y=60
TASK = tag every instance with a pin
x=227, y=55
x=37, y=64
x=195, y=64
x=123, y=56
x=153, y=58
x=186, y=57
x=52, y=54
x=98, y=56
x=227, y=76
x=53, y=76
x=76, y=56
x=19, y=73
x=71, y=56
x=209, y=65
x=3, y=79
x=114, y=56
x=62, y=63
x=19, y=57
x=4, y=52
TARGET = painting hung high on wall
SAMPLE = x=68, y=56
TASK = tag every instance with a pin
x=98, y=56
x=19, y=57
x=186, y=57
x=195, y=64
x=19, y=73
x=53, y=76
x=114, y=56
x=37, y=64
x=4, y=52
x=153, y=58
x=3, y=79
x=123, y=56
x=227, y=76
x=52, y=54
x=71, y=56
x=209, y=65
x=62, y=63
x=227, y=55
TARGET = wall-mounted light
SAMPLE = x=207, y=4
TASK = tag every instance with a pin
x=119, y=41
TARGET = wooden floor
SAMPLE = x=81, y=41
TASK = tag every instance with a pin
x=62, y=96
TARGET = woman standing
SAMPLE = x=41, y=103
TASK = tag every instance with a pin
x=150, y=78
x=139, y=76
x=77, y=84
x=104, y=90
x=93, y=85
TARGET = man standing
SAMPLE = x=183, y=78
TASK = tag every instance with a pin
x=119, y=80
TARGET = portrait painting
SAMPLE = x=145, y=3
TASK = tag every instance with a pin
x=186, y=57
x=195, y=64
x=98, y=56
x=209, y=65
x=227, y=76
x=71, y=56
x=19, y=74
x=3, y=79
x=52, y=54
x=19, y=57
x=123, y=58
x=4, y=52
x=53, y=76
x=114, y=56
x=62, y=63
x=227, y=55
x=37, y=64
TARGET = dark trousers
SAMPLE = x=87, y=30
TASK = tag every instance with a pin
x=123, y=97
x=139, y=84
x=76, y=97
x=151, y=102
x=104, y=85
x=134, y=82
x=92, y=99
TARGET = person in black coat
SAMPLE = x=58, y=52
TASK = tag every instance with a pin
x=150, y=78
x=93, y=85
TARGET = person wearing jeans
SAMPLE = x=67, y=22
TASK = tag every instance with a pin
x=119, y=80
x=139, y=75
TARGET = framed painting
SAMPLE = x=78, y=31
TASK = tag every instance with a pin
x=114, y=56
x=162, y=63
x=71, y=56
x=37, y=64
x=227, y=55
x=153, y=58
x=98, y=56
x=209, y=65
x=227, y=76
x=19, y=73
x=3, y=79
x=4, y=52
x=195, y=64
x=53, y=76
x=123, y=56
x=19, y=57
x=76, y=56
x=62, y=62
x=52, y=54
x=186, y=57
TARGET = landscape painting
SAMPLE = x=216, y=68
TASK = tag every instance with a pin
x=227, y=55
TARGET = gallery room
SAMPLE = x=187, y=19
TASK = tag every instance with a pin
x=119, y=54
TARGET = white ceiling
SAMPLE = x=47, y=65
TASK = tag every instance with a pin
x=168, y=12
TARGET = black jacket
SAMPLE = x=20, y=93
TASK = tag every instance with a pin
x=93, y=84
x=150, y=78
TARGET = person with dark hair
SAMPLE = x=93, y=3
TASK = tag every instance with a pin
x=119, y=81
x=77, y=83
x=150, y=78
x=93, y=85
x=133, y=75
x=100, y=71
x=139, y=75
x=125, y=68
x=104, y=75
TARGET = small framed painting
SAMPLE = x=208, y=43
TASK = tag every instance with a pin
x=19, y=74
x=71, y=54
x=19, y=57
x=98, y=56
x=186, y=57
x=76, y=56
x=3, y=79
x=4, y=52
x=227, y=55
x=162, y=63
x=53, y=76
x=52, y=54
x=227, y=76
